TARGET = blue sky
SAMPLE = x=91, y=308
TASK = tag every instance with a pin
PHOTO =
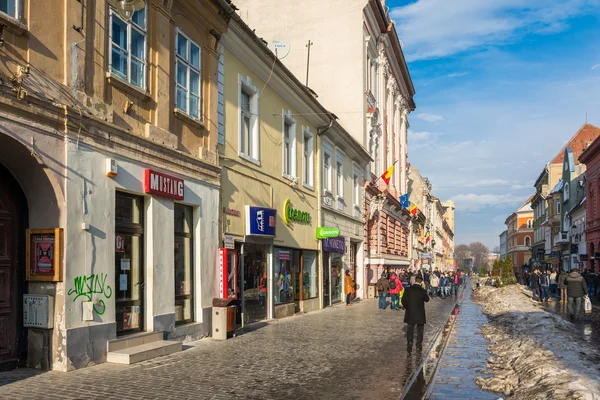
x=501, y=87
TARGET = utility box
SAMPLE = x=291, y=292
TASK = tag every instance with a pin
x=371, y=292
x=38, y=311
x=223, y=318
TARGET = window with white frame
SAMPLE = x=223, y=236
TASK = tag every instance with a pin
x=128, y=47
x=188, y=72
x=308, y=150
x=327, y=171
x=558, y=207
x=339, y=174
x=248, y=120
x=527, y=241
x=289, y=145
x=356, y=183
x=10, y=7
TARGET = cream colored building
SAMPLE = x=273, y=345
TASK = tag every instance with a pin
x=114, y=157
x=275, y=134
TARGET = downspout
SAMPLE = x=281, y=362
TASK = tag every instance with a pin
x=318, y=175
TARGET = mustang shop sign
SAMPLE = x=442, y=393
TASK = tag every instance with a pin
x=163, y=185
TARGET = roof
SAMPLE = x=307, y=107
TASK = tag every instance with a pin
x=526, y=206
x=558, y=187
x=579, y=142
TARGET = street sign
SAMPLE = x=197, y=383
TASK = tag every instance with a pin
x=228, y=241
x=324, y=232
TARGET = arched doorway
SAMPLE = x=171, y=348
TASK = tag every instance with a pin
x=13, y=222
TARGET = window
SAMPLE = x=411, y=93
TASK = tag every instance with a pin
x=129, y=271
x=529, y=224
x=184, y=264
x=248, y=122
x=327, y=172
x=188, y=83
x=308, y=149
x=566, y=192
x=128, y=47
x=527, y=241
x=285, y=273
x=289, y=145
x=339, y=173
x=310, y=275
x=356, y=190
x=558, y=207
x=10, y=8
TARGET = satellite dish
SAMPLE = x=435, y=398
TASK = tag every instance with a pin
x=126, y=8
x=281, y=47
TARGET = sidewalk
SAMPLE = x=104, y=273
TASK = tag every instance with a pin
x=465, y=357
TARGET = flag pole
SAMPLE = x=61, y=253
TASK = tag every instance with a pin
x=379, y=177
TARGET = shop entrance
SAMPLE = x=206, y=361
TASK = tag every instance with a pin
x=254, y=282
x=337, y=278
x=129, y=271
x=326, y=280
x=13, y=222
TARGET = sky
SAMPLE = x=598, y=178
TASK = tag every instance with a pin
x=501, y=86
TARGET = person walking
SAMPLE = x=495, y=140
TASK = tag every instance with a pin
x=535, y=284
x=545, y=287
x=443, y=284
x=427, y=280
x=383, y=286
x=562, y=286
x=414, y=300
x=576, y=291
x=590, y=280
x=395, y=286
x=456, y=284
x=553, y=283
x=349, y=287
x=435, y=284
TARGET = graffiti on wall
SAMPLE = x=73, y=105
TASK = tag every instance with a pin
x=88, y=285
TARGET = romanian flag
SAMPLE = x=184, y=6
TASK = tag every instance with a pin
x=413, y=209
x=387, y=175
x=427, y=237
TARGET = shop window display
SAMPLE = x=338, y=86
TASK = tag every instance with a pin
x=337, y=279
x=286, y=264
x=183, y=264
x=310, y=275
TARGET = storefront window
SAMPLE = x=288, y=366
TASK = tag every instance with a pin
x=184, y=267
x=337, y=278
x=287, y=262
x=129, y=275
x=255, y=283
x=310, y=275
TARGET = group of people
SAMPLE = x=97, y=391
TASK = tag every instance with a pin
x=574, y=287
x=440, y=284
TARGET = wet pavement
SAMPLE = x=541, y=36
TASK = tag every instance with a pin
x=588, y=325
x=341, y=352
x=464, y=358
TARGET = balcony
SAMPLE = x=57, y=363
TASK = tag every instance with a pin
x=561, y=237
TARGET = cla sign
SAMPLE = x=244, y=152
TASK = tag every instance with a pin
x=163, y=184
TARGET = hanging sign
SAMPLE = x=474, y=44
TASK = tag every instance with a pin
x=228, y=241
x=163, y=185
x=335, y=245
x=324, y=232
x=260, y=221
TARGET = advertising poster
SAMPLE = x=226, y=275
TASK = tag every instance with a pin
x=42, y=262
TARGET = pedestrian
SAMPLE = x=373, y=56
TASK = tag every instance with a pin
x=443, y=284
x=562, y=285
x=545, y=287
x=590, y=280
x=435, y=284
x=411, y=277
x=535, y=284
x=553, y=283
x=395, y=286
x=576, y=291
x=414, y=300
x=349, y=287
x=427, y=279
x=383, y=286
x=456, y=284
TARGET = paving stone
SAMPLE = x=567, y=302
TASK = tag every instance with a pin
x=338, y=353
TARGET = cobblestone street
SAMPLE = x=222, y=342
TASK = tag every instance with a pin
x=342, y=352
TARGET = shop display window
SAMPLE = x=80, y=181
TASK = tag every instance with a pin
x=337, y=278
x=287, y=263
x=184, y=266
x=310, y=275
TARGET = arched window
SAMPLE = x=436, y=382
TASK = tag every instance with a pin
x=529, y=223
x=527, y=241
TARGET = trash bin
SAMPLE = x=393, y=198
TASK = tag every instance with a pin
x=223, y=318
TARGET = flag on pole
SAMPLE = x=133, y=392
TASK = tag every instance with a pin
x=427, y=237
x=387, y=175
x=413, y=209
x=404, y=201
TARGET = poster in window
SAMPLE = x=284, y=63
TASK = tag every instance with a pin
x=44, y=255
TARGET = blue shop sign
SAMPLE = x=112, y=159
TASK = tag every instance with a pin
x=335, y=245
x=260, y=221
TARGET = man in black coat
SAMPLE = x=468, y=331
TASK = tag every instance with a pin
x=414, y=300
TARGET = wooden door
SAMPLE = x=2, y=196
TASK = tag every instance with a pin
x=8, y=281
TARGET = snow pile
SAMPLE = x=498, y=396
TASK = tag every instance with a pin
x=537, y=354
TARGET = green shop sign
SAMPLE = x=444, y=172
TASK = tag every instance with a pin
x=292, y=214
x=324, y=232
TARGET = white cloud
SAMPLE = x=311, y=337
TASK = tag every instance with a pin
x=421, y=139
x=463, y=25
x=595, y=66
x=457, y=74
x=475, y=202
x=429, y=117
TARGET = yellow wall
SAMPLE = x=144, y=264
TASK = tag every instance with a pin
x=245, y=183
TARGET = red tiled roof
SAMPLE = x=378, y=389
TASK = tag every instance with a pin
x=582, y=139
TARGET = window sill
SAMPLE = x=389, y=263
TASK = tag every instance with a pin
x=328, y=192
x=290, y=177
x=122, y=84
x=185, y=117
x=307, y=186
x=249, y=159
x=12, y=24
